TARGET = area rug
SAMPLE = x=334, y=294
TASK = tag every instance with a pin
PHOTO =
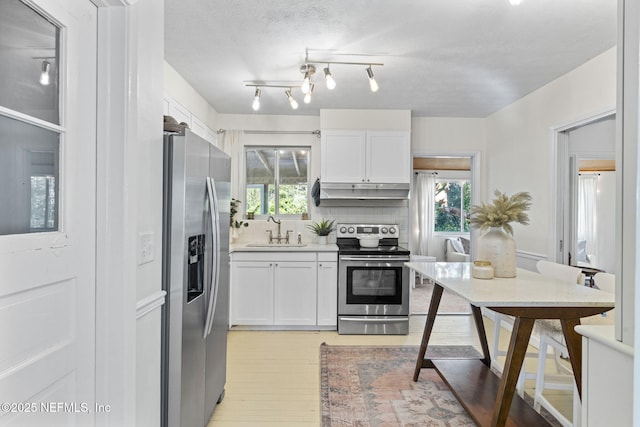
x=449, y=304
x=363, y=386
x=372, y=387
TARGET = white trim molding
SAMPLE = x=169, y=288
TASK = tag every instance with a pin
x=113, y=3
x=150, y=303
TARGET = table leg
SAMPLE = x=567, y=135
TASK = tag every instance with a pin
x=482, y=334
x=515, y=357
x=573, y=340
x=436, y=296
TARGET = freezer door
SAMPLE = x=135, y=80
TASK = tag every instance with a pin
x=216, y=366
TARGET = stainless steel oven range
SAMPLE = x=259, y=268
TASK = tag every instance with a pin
x=373, y=283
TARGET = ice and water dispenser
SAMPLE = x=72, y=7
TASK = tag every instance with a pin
x=195, y=267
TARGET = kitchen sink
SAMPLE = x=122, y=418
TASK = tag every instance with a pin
x=276, y=245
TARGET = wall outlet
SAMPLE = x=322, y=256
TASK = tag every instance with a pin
x=146, y=247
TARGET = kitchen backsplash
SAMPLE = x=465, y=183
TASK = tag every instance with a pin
x=257, y=230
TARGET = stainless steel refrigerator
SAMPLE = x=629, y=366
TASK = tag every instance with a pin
x=195, y=277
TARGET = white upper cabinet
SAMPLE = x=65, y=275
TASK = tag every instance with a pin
x=388, y=157
x=350, y=156
x=343, y=156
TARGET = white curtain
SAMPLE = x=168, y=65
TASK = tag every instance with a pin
x=425, y=184
x=231, y=143
x=587, y=217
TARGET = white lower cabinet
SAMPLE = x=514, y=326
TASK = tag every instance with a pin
x=283, y=289
x=251, y=291
x=327, y=289
x=294, y=299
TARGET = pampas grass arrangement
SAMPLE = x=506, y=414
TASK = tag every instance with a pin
x=501, y=212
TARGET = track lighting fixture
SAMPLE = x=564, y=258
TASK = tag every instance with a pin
x=307, y=86
x=45, y=78
x=256, y=100
x=373, y=84
x=293, y=102
x=331, y=84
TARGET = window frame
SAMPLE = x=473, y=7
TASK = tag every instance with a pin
x=276, y=147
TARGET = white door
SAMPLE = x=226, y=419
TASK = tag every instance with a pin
x=47, y=263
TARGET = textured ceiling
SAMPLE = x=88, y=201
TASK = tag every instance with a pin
x=456, y=58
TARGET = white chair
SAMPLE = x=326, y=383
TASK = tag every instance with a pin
x=454, y=250
x=550, y=332
x=605, y=282
x=419, y=258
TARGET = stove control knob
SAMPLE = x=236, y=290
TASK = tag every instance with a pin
x=351, y=230
x=343, y=229
x=384, y=230
x=392, y=230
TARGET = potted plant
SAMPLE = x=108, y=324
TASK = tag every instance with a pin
x=497, y=245
x=235, y=224
x=322, y=229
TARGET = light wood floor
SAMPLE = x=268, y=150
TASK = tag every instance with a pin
x=273, y=377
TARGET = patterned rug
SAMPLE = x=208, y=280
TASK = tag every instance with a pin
x=372, y=387
x=362, y=386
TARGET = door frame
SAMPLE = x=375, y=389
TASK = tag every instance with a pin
x=560, y=207
x=476, y=187
x=116, y=215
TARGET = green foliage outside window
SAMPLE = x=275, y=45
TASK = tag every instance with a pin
x=452, y=206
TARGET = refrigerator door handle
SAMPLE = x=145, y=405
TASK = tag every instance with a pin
x=214, y=213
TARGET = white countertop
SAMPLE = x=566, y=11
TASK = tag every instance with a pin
x=527, y=289
x=605, y=335
x=311, y=247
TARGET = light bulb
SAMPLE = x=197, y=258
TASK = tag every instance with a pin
x=256, y=100
x=307, y=96
x=44, y=76
x=292, y=101
x=306, y=83
x=515, y=2
x=331, y=83
x=373, y=84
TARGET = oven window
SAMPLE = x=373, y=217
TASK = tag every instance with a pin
x=374, y=285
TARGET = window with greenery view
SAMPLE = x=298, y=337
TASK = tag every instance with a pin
x=452, y=206
x=277, y=180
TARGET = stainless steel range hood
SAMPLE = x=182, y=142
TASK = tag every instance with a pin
x=347, y=191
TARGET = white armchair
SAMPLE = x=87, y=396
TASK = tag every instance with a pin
x=454, y=250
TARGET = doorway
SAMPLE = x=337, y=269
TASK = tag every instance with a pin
x=586, y=154
x=443, y=191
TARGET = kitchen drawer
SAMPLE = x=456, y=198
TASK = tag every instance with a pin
x=274, y=256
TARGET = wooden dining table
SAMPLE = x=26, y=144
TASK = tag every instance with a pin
x=488, y=398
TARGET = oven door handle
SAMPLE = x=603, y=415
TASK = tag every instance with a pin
x=386, y=320
x=373, y=259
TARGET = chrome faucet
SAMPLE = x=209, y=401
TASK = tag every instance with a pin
x=278, y=222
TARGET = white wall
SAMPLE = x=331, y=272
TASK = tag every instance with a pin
x=519, y=140
x=178, y=88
